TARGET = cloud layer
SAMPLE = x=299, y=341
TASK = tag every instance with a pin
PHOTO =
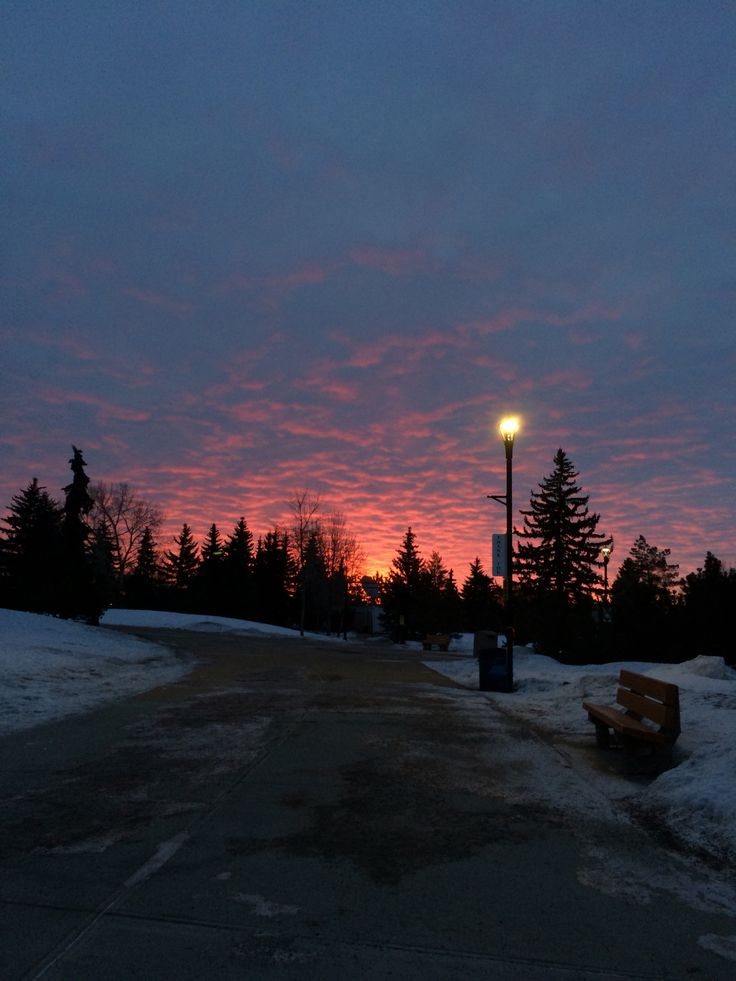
x=329, y=245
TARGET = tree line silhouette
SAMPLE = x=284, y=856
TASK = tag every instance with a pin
x=99, y=547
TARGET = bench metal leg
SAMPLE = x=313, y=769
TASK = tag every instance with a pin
x=602, y=735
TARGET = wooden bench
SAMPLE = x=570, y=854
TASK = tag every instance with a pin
x=441, y=640
x=649, y=716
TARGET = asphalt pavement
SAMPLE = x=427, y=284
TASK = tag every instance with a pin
x=305, y=809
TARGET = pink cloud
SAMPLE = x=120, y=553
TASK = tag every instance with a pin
x=401, y=350
x=319, y=380
x=318, y=431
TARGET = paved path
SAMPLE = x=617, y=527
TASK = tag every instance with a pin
x=303, y=810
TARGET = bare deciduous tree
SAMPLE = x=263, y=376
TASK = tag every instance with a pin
x=126, y=515
x=342, y=552
x=324, y=550
x=304, y=507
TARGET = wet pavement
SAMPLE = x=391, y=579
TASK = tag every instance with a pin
x=320, y=810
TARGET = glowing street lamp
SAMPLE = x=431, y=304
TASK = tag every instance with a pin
x=606, y=553
x=508, y=429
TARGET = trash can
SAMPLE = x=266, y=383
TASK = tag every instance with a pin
x=495, y=668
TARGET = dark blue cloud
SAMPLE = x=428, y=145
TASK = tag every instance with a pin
x=329, y=243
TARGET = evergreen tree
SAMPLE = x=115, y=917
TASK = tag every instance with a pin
x=408, y=564
x=401, y=592
x=239, y=571
x=435, y=572
x=212, y=549
x=642, y=604
x=105, y=582
x=451, y=605
x=143, y=585
x=437, y=600
x=31, y=552
x=210, y=575
x=272, y=579
x=313, y=585
x=556, y=565
x=146, y=563
x=709, y=597
x=79, y=595
x=180, y=567
x=481, y=599
x=562, y=546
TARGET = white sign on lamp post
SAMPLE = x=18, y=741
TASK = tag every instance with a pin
x=499, y=555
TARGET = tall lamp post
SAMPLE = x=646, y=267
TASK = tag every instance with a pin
x=509, y=428
x=504, y=672
x=606, y=553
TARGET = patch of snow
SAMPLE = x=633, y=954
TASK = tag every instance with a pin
x=723, y=946
x=50, y=668
x=190, y=621
x=696, y=799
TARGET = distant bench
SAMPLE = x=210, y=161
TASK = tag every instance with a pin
x=649, y=716
x=441, y=640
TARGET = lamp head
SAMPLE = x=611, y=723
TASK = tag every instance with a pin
x=508, y=429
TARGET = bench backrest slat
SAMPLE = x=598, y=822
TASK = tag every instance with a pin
x=643, y=708
x=650, y=698
x=663, y=691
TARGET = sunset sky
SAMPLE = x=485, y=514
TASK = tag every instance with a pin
x=260, y=246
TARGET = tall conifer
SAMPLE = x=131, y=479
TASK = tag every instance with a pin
x=238, y=571
x=561, y=547
x=180, y=566
x=30, y=552
x=79, y=593
x=273, y=575
x=401, y=593
x=143, y=585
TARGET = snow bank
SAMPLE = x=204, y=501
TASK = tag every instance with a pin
x=51, y=668
x=190, y=621
x=696, y=799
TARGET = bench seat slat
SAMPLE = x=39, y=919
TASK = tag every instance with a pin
x=625, y=724
x=643, y=704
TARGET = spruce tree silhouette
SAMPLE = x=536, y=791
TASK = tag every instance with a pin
x=210, y=576
x=180, y=568
x=273, y=575
x=558, y=554
x=482, y=600
x=238, y=585
x=401, y=594
x=78, y=595
x=31, y=552
x=143, y=585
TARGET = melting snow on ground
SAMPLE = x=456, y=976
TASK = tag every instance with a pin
x=51, y=668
